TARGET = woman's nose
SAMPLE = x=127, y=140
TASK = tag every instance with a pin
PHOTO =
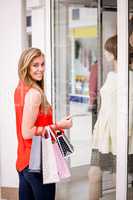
x=41, y=68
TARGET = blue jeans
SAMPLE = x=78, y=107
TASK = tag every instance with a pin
x=31, y=187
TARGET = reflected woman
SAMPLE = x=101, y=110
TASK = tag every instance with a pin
x=104, y=135
x=33, y=113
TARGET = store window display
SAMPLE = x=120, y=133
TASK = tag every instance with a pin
x=81, y=68
x=84, y=58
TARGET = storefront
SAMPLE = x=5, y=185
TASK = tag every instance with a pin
x=79, y=30
x=72, y=33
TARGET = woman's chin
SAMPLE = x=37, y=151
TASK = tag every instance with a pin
x=38, y=78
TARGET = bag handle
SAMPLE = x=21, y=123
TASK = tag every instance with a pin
x=58, y=129
x=51, y=134
x=53, y=131
x=36, y=130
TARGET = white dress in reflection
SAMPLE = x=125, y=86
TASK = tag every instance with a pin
x=104, y=134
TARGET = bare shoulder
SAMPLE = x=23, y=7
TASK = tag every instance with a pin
x=33, y=96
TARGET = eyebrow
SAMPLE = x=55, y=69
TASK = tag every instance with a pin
x=38, y=63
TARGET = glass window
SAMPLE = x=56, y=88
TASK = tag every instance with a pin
x=85, y=86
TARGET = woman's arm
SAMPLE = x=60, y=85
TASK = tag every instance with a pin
x=64, y=123
x=30, y=113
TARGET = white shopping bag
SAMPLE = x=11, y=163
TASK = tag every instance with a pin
x=49, y=165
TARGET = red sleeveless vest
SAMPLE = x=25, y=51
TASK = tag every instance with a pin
x=24, y=145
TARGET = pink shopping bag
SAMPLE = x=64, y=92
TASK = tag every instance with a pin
x=63, y=170
x=62, y=166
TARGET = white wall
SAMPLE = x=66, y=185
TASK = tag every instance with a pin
x=38, y=27
x=11, y=37
x=41, y=37
x=13, y=40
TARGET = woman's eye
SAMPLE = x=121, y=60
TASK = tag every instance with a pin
x=35, y=65
x=38, y=64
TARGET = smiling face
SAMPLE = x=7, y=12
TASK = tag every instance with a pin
x=36, y=69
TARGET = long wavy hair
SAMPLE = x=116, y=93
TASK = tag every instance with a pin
x=26, y=58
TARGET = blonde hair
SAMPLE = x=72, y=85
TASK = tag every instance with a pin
x=26, y=58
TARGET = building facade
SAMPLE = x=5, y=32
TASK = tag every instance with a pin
x=72, y=34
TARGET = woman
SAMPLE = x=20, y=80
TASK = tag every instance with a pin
x=104, y=134
x=33, y=113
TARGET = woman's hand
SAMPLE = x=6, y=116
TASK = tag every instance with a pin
x=65, y=123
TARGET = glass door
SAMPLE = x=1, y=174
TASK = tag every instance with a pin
x=102, y=177
x=80, y=31
x=75, y=55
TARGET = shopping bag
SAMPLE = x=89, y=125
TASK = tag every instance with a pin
x=35, y=154
x=49, y=165
x=65, y=145
x=62, y=166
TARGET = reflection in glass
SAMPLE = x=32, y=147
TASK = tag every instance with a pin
x=102, y=171
x=104, y=135
x=77, y=70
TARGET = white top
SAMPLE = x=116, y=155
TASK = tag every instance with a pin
x=104, y=134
